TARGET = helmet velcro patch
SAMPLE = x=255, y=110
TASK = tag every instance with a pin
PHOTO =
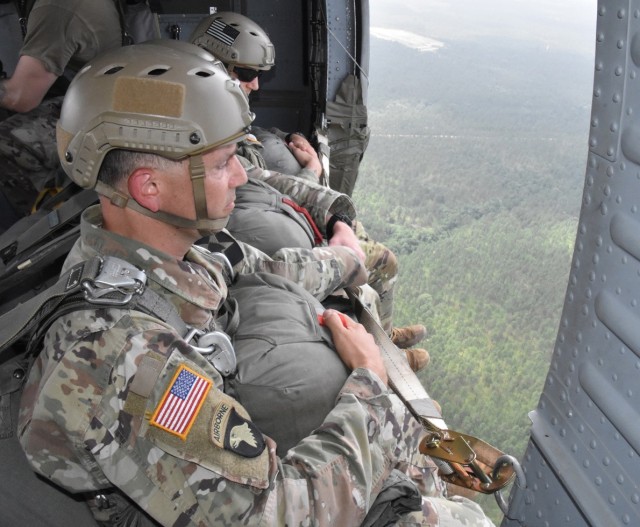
x=148, y=96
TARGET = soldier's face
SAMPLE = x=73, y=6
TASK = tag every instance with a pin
x=223, y=173
x=246, y=86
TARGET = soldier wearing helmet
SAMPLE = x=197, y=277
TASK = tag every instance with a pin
x=98, y=412
x=246, y=50
x=240, y=43
x=118, y=407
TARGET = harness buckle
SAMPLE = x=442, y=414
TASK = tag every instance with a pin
x=115, y=284
x=216, y=347
x=227, y=268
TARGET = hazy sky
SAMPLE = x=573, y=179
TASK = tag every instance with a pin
x=569, y=24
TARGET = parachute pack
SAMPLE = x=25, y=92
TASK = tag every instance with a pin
x=264, y=218
x=31, y=256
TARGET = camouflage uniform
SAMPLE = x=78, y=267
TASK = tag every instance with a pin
x=322, y=201
x=96, y=413
x=382, y=265
x=28, y=153
x=319, y=200
x=63, y=35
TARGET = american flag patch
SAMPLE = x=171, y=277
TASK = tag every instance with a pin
x=223, y=32
x=181, y=402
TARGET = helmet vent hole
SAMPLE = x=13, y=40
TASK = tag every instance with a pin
x=157, y=71
x=254, y=34
x=113, y=70
x=202, y=73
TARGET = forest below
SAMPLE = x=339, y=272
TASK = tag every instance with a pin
x=473, y=176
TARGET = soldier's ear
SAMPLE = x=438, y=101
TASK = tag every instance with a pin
x=143, y=188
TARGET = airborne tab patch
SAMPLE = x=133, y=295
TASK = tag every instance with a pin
x=232, y=432
x=181, y=402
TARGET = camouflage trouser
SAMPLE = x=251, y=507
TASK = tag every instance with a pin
x=383, y=274
x=437, y=508
x=28, y=155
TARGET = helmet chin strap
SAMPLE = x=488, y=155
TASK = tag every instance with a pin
x=203, y=224
x=207, y=226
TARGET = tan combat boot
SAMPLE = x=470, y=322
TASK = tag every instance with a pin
x=408, y=336
x=418, y=358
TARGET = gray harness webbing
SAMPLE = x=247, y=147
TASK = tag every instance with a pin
x=83, y=285
x=107, y=281
x=450, y=450
x=402, y=378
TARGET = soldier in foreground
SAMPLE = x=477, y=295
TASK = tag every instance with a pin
x=118, y=405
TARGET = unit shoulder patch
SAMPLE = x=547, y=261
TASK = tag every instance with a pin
x=229, y=430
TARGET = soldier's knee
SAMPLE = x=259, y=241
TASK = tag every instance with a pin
x=382, y=260
x=392, y=262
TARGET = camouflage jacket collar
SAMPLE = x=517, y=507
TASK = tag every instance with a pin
x=186, y=279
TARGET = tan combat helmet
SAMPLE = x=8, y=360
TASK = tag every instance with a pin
x=162, y=98
x=235, y=40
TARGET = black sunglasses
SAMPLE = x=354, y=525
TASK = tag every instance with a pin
x=246, y=74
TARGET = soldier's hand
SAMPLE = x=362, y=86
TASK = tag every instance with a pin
x=344, y=235
x=356, y=347
x=305, y=154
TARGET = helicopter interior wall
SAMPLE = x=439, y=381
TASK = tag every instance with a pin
x=284, y=99
x=285, y=96
x=583, y=459
x=10, y=38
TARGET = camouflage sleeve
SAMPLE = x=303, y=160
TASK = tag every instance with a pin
x=321, y=270
x=319, y=200
x=249, y=154
x=307, y=175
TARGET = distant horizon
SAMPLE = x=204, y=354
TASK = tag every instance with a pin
x=569, y=25
x=407, y=38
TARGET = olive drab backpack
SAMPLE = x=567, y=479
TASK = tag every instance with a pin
x=33, y=249
x=32, y=252
x=31, y=256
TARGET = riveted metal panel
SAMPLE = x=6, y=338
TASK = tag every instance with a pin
x=341, y=39
x=609, y=78
x=583, y=462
